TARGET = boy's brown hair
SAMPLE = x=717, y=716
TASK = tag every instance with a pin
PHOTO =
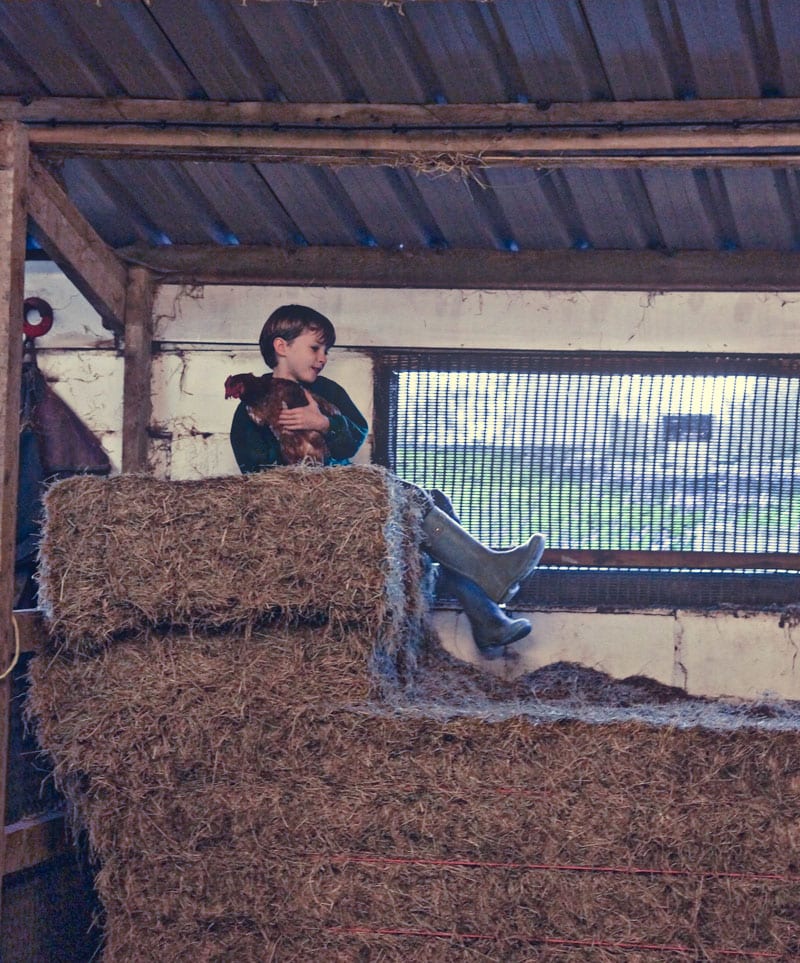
x=287, y=322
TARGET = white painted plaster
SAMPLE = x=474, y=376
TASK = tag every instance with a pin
x=719, y=655
x=76, y=324
x=543, y=320
x=78, y=356
x=727, y=655
x=744, y=656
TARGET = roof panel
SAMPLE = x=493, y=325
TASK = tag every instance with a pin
x=224, y=60
x=167, y=199
x=315, y=201
x=140, y=59
x=742, y=208
x=378, y=47
x=458, y=51
x=614, y=208
x=16, y=74
x=463, y=51
x=533, y=206
x=454, y=38
x=460, y=206
x=286, y=204
x=45, y=40
x=302, y=54
x=760, y=204
x=632, y=38
x=107, y=204
x=391, y=207
x=685, y=220
x=553, y=50
x=247, y=209
x=781, y=22
x=722, y=47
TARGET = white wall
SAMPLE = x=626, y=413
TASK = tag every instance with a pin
x=78, y=356
x=209, y=333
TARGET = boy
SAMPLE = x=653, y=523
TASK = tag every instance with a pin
x=294, y=342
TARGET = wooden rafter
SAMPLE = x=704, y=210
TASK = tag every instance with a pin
x=524, y=270
x=736, y=113
x=76, y=247
x=729, y=132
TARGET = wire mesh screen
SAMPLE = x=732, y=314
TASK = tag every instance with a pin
x=605, y=452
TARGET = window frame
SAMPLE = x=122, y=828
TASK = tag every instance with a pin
x=577, y=578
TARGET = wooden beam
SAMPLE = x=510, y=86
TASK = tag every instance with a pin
x=433, y=150
x=136, y=402
x=31, y=842
x=468, y=269
x=31, y=628
x=782, y=561
x=118, y=111
x=76, y=247
x=13, y=171
x=674, y=133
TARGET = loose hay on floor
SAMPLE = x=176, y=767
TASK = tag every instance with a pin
x=280, y=793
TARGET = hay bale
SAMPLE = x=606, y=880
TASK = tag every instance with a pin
x=244, y=799
x=338, y=789
x=129, y=553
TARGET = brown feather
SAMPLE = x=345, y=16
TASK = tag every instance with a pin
x=265, y=398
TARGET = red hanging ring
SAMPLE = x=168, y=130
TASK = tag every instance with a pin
x=45, y=317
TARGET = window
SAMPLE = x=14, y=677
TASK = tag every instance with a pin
x=658, y=479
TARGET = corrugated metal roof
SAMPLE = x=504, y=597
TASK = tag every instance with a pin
x=421, y=52
x=462, y=52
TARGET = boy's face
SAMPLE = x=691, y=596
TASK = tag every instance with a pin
x=302, y=358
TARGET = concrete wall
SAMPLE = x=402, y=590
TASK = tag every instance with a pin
x=209, y=333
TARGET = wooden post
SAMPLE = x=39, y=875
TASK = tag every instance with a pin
x=136, y=401
x=13, y=169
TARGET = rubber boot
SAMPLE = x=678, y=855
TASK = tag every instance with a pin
x=491, y=627
x=497, y=573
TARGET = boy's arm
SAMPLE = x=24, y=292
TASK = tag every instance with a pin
x=348, y=429
x=254, y=448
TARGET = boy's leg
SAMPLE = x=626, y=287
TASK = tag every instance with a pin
x=497, y=573
x=491, y=627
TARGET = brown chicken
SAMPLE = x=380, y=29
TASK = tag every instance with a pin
x=265, y=398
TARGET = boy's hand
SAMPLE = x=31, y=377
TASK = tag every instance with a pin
x=305, y=418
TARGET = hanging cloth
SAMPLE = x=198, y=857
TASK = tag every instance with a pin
x=53, y=443
x=66, y=445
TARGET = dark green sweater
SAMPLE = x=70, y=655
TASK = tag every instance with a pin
x=256, y=448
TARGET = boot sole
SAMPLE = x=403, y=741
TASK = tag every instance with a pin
x=520, y=633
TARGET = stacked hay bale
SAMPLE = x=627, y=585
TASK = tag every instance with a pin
x=232, y=706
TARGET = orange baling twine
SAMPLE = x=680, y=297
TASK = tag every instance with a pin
x=549, y=941
x=556, y=867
